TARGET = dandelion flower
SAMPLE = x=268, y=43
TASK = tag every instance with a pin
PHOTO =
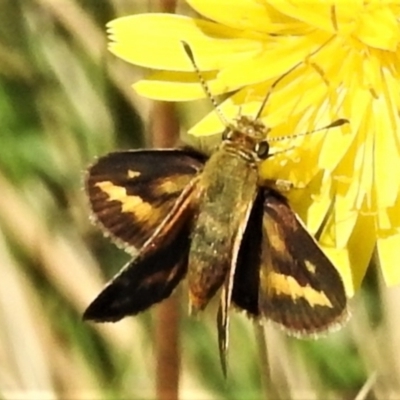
x=339, y=60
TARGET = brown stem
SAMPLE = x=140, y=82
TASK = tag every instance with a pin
x=164, y=133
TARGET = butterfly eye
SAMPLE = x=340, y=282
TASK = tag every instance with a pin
x=262, y=149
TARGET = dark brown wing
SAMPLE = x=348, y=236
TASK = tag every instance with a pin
x=227, y=292
x=247, y=275
x=242, y=283
x=131, y=193
x=300, y=289
x=143, y=282
x=145, y=201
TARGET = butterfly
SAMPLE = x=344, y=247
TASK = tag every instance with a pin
x=212, y=221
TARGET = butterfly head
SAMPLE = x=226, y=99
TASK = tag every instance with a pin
x=248, y=137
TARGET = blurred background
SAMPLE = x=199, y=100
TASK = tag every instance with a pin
x=63, y=101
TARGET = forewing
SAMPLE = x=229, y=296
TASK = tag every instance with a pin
x=227, y=288
x=145, y=200
x=132, y=193
x=300, y=289
x=247, y=275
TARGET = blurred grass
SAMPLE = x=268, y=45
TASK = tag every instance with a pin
x=63, y=101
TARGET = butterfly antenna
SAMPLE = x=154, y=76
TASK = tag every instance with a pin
x=271, y=88
x=334, y=124
x=203, y=83
x=276, y=82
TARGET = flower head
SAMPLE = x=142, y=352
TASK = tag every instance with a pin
x=322, y=62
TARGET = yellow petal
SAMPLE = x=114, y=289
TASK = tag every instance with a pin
x=360, y=247
x=243, y=14
x=388, y=243
x=386, y=157
x=155, y=41
x=282, y=102
x=340, y=259
x=338, y=141
x=365, y=163
x=392, y=93
x=284, y=164
x=345, y=220
x=179, y=86
x=384, y=222
x=338, y=256
x=327, y=232
x=318, y=14
x=277, y=58
x=379, y=28
x=319, y=208
x=388, y=250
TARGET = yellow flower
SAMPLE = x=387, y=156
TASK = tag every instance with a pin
x=341, y=61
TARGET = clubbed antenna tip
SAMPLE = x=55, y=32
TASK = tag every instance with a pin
x=338, y=122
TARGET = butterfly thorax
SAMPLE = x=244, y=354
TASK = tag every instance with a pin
x=227, y=189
